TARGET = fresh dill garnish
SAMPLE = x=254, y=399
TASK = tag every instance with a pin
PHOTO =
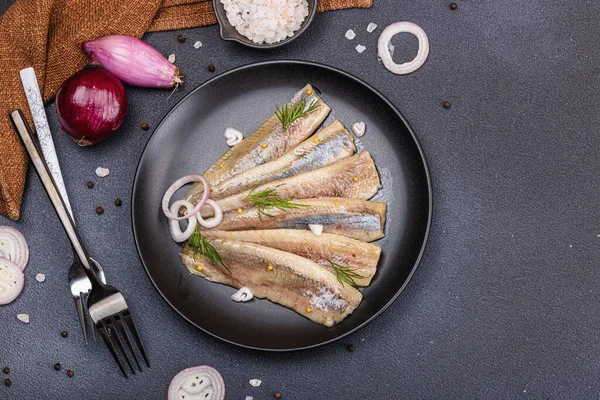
x=288, y=113
x=345, y=274
x=269, y=198
x=199, y=244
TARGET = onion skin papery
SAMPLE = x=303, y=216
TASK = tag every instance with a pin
x=91, y=105
x=133, y=61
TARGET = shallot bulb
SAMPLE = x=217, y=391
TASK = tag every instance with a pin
x=133, y=61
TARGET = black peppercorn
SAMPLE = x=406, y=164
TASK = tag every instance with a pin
x=277, y=395
x=64, y=334
x=211, y=68
x=7, y=382
x=181, y=38
x=57, y=366
x=453, y=6
x=145, y=127
x=99, y=210
x=350, y=347
x=70, y=373
x=6, y=370
x=118, y=203
x=447, y=104
x=90, y=184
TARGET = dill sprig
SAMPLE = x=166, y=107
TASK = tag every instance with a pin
x=269, y=198
x=345, y=274
x=288, y=113
x=199, y=244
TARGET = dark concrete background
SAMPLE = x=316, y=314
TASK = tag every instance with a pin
x=505, y=302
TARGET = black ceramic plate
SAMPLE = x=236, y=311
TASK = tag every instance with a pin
x=190, y=138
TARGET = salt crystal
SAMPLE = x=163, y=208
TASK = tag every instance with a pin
x=350, y=34
x=198, y=44
x=255, y=382
x=171, y=58
x=371, y=27
x=360, y=48
x=40, y=278
x=249, y=398
x=316, y=229
x=359, y=128
x=23, y=318
x=102, y=172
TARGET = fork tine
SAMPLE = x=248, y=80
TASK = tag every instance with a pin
x=89, y=318
x=115, y=334
x=81, y=316
x=108, y=341
x=125, y=334
x=136, y=336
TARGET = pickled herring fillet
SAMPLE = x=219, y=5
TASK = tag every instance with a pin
x=359, y=219
x=265, y=144
x=355, y=178
x=359, y=257
x=292, y=281
x=325, y=147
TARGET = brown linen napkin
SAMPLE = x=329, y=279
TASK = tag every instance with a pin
x=46, y=34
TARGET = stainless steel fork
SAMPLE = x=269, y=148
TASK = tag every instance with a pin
x=106, y=305
x=80, y=288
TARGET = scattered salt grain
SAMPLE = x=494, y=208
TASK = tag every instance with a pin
x=23, y=318
x=171, y=58
x=350, y=34
x=102, y=172
x=360, y=48
x=249, y=398
x=371, y=27
x=242, y=295
x=255, y=382
x=40, y=278
x=266, y=21
x=316, y=229
x=198, y=44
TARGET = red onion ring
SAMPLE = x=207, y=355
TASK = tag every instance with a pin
x=14, y=246
x=174, y=227
x=384, y=52
x=214, y=221
x=176, y=186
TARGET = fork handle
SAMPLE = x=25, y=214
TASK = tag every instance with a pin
x=32, y=147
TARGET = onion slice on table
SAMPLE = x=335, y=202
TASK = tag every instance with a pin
x=201, y=382
x=174, y=226
x=386, y=56
x=13, y=246
x=11, y=281
x=214, y=221
x=176, y=186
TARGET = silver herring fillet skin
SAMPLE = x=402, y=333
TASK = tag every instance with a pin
x=325, y=147
x=359, y=257
x=250, y=152
x=354, y=178
x=293, y=281
x=359, y=219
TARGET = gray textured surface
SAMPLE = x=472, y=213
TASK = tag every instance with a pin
x=504, y=304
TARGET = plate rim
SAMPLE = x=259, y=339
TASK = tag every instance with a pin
x=357, y=80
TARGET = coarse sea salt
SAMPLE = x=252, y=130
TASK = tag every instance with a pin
x=255, y=382
x=171, y=58
x=371, y=27
x=350, y=34
x=102, y=172
x=266, y=21
x=40, y=278
x=24, y=318
x=360, y=48
x=198, y=44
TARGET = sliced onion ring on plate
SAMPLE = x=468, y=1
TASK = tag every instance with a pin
x=11, y=281
x=201, y=382
x=214, y=221
x=176, y=186
x=384, y=52
x=174, y=226
x=13, y=246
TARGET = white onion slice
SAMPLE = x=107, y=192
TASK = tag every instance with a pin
x=384, y=51
x=316, y=229
x=214, y=221
x=174, y=226
x=242, y=295
x=11, y=281
x=233, y=136
x=13, y=246
x=174, y=187
x=197, y=383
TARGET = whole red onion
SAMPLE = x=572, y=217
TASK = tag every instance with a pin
x=91, y=105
